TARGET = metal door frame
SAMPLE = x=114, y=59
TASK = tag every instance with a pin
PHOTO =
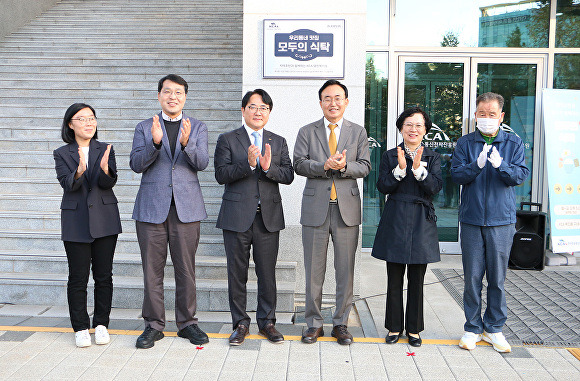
x=470, y=62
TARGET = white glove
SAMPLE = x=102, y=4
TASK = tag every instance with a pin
x=482, y=158
x=494, y=158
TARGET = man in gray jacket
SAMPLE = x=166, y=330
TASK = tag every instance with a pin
x=332, y=153
x=169, y=149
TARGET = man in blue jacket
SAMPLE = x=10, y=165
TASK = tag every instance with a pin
x=489, y=163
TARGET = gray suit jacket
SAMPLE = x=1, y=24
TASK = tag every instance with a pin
x=165, y=176
x=245, y=187
x=311, y=152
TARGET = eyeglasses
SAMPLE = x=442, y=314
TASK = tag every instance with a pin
x=83, y=120
x=167, y=93
x=337, y=100
x=418, y=126
x=263, y=109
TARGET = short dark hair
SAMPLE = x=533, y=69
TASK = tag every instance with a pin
x=173, y=78
x=265, y=98
x=488, y=97
x=410, y=112
x=67, y=134
x=331, y=82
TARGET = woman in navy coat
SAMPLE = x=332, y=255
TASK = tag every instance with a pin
x=90, y=222
x=406, y=238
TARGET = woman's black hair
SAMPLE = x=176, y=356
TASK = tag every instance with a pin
x=67, y=133
x=411, y=111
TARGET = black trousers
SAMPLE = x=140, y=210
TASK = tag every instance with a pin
x=265, y=254
x=414, y=312
x=81, y=256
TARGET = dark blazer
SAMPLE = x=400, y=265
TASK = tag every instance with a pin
x=89, y=206
x=407, y=231
x=311, y=152
x=166, y=176
x=244, y=187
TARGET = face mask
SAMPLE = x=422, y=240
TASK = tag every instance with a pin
x=487, y=126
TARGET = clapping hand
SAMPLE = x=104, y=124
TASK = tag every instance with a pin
x=267, y=158
x=417, y=159
x=156, y=131
x=494, y=158
x=401, y=158
x=105, y=160
x=482, y=158
x=185, y=131
x=336, y=161
x=253, y=154
x=82, y=164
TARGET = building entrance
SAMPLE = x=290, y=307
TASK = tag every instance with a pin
x=446, y=88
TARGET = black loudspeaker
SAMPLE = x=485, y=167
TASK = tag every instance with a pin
x=528, y=248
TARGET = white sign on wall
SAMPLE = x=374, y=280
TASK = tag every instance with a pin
x=303, y=48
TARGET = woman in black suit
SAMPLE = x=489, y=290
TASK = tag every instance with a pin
x=406, y=238
x=90, y=222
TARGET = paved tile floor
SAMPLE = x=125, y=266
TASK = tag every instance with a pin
x=36, y=343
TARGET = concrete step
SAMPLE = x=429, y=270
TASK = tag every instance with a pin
x=227, y=93
x=75, y=52
x=124, y=188
x=49, y=220
x=34, y=203
x=49, y=144
x=212, y=294
x=123, y=131
x=197, y=61
x=47, y=170
x=97, y=80
x=206, y=267
x=14, y=66
x=126, y=111
x=211, y=245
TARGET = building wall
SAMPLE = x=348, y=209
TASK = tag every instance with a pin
x=296, y=100
x=16, y=13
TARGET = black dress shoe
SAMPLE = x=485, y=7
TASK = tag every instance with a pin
x=237, y=337
x=148, y=338
x=312, y=334
x=194, y=334
x=272, y=334
x=343, y=337
x=392, y=339
x=414, y=341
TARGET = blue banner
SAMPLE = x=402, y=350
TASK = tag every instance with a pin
x=562, y=134
x=303, y=45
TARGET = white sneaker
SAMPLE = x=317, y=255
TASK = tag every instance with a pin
x=498, y=341
x=101, y=335
x=469, y=340
x=83, y=338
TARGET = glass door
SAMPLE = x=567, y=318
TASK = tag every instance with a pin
x=446, y=88
x=440, y=86
x=519, y=81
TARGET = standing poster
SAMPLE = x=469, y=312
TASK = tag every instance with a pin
x=562, y=132
x=303, y=48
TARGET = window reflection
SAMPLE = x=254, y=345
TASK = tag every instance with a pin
x=568, y=24
x=482, y=23
x=376, y=126
x=517, y=84
x=567, y=71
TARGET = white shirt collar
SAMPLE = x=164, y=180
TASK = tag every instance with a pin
x=167, y=118
x=249, y=131
x=339, y=123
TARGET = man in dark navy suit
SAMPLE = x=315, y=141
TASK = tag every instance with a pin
x=251, y=162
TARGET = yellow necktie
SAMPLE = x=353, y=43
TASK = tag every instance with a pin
x=332, y=144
